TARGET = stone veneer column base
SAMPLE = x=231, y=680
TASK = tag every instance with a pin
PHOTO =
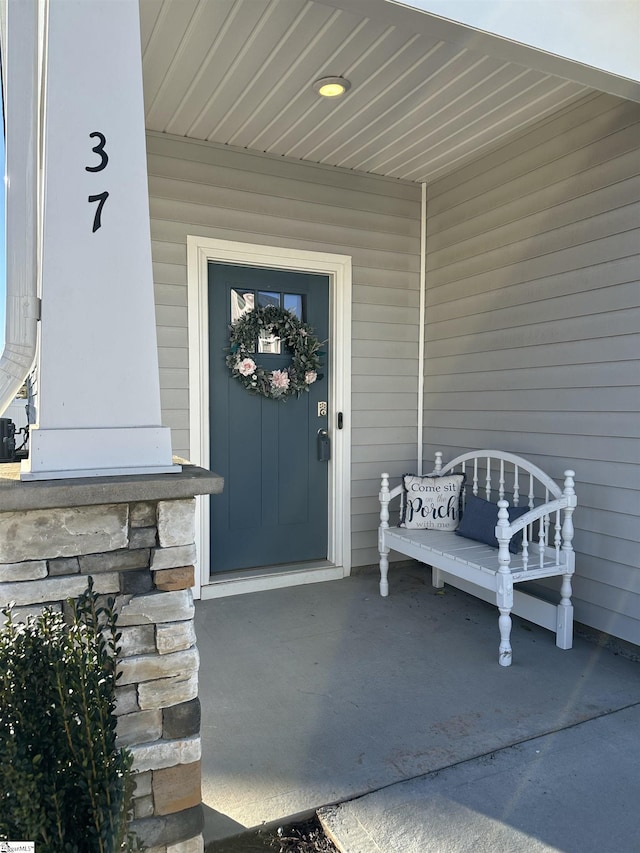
x=135, y=536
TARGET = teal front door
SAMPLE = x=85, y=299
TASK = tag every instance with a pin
x=273, y=510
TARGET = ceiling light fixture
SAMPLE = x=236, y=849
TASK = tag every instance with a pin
x=331, y=87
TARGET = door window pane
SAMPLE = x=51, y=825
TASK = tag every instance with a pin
x=269, y=343
x=241, y=302
x=293, y=302
x=266, y=298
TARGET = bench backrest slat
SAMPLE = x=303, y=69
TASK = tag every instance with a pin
x=484, y=459
x=511, y=470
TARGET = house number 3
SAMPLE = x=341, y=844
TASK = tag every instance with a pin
x=98, y=149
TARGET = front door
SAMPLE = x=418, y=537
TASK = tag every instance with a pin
x=274, y=507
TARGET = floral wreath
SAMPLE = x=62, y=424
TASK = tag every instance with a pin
x=298, y=337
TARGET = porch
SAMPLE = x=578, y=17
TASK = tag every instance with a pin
x=317, y=694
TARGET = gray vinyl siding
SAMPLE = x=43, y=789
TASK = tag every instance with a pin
x=533, y=322
x=211, y=191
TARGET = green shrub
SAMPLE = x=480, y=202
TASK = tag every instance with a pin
x=63, y=782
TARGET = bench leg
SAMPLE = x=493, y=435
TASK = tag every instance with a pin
x=504, y=624
x=504, y=599
x=384, y=571
x=564, y=627
x=436, y=578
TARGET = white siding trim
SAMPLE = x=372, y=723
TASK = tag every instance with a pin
x=201, y=250
x=421, y=340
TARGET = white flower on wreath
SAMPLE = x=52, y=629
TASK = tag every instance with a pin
x=310, y=377
x=280, y=380
x=246, y=367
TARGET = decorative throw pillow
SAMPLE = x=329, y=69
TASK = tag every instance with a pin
x=431, y=503
x=479, y=521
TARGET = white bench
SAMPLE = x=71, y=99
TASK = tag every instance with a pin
x=487, y=572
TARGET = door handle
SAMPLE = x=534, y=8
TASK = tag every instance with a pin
x=324, y=446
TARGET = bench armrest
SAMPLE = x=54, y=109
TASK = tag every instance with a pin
x=562, y=508
x=535, y=514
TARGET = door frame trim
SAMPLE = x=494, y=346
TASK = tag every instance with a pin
x=201, y=251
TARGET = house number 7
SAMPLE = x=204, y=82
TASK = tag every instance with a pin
x=98, y=149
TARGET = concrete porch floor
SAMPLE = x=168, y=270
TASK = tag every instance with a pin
x=317, y=694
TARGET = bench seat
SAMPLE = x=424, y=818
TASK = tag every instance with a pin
x=492, y=573
x=421, y=544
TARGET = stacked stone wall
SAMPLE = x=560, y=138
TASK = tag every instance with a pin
x=143, y=554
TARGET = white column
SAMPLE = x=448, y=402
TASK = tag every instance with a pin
x=98, y=385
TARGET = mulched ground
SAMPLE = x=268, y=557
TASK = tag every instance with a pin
x=306, y=837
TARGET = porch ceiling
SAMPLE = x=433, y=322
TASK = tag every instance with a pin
x=425, y=98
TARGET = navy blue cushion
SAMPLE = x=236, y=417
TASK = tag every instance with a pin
x=479, y=521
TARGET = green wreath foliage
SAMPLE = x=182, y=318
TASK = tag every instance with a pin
x=298, y=337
